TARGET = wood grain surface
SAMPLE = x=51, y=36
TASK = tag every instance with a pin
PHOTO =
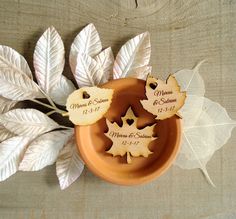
x=182, y=33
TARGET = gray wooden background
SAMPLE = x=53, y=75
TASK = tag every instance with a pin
x=182, y=33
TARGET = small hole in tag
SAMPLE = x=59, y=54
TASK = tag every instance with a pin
x=129, y=121
x=153, y=85
x=86, y=95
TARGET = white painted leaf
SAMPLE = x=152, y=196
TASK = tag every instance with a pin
x=49, y=59
x=210, y=132
x=106, y=61
x=62, y=90
x=6, y=104
x=133, y=54
x=12, y=60
x=16, y=86
x=5, y=133
x=191, y=82
x=191, y=109
x=27, y=122
x=87, y=42
x=69, y=166
x=141, y=73
x=11, y=153
x=88, y=72
x=44, y=150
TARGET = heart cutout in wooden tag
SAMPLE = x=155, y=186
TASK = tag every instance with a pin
x=86, y=95
x=153, y=85
x=129, y=121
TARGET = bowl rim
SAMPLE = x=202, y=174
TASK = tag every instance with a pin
x=131, y=181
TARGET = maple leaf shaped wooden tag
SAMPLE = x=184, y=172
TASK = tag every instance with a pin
x=128, y=139
x=164, y=99
x=88, y=104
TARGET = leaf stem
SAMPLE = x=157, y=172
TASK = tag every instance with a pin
x=128, y=157
x=43, y=104
x=51, y=112
x=47, y=97
x=55, y=109
x=202, y=166
x=65, y=127
x=52, y=106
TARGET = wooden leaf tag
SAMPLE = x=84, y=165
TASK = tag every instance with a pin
x=128, y=139
x=164, y=99
x=88, y=104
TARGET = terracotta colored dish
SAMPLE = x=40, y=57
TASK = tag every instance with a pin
x=93, y=144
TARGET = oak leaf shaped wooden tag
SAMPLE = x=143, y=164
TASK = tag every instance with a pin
x=87, y=105
x=128, y=139
x=164, y=99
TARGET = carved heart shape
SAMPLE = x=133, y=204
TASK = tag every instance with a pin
x=86, y=95
x=153, y=85
x=129, y=121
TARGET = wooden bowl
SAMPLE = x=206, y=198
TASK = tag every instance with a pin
x=93, y=144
